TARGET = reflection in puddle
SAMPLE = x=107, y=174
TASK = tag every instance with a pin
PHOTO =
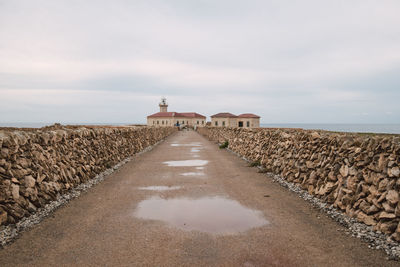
x=191, y=144
x=192, y=174
x=159, y=188
x=210, y=214
x=186, y=163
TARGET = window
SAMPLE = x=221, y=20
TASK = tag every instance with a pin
x=216, y=123
x=162, y=122
x=154, y=122
x=166, y=122
x=202, y=122
x=197, y=122
x=248, y=124
x=187, y=122
x=183, y=122
x=158, y=122
x=223, y=123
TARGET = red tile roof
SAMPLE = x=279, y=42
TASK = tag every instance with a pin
x=249, y=115
x=224, y=115
x=190, y=115
x=162, y=114
x=176, y=114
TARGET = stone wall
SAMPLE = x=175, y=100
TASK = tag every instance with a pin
x=358, y=174
x=38, y=165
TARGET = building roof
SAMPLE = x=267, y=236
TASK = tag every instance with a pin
x=248, y=115
x=190, y=115
x=176, y=114
x=224, y=115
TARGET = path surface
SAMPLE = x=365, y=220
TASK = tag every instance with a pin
x=216, y=212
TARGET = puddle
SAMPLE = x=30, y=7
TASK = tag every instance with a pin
x=191, y=144
x=186, y=163
x=194, y=150
x=199, y=168
x=215, y=215
x=160, y=188
x=192, y=174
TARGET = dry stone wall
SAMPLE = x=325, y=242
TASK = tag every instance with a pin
x=38, y=165
x=358, y=174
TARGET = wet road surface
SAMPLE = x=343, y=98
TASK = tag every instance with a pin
x=188, y=203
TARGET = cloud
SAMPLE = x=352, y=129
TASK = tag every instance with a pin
x=289, y=61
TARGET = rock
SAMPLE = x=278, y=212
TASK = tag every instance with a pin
x=29, y=181
x=19, y=173
x=395, y=172
x=392, y=197
x=327, y=188
x=385, y=215
x=15, y=191
x=387, y=207
x=364, y=206
x=382, y=162
x=372, y=210
x=368, y=220
x=310, y=164
x=3, y=217
x=332, y=176
x=383, y=184
x=344, y=170
x=315, y=135
x=388, y=227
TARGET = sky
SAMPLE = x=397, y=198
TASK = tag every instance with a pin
x=308, y=61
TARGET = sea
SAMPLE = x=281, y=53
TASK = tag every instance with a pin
x=393, y=128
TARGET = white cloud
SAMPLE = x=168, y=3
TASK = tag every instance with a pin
x=261, y=54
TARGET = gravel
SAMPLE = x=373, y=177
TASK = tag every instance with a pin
x=375, y=240
x=10, y=232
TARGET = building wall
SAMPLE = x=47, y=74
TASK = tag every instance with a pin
x=165, y=122
x=234, y=122
x=249, y=122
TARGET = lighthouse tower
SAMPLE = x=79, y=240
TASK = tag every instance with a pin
x=163, y=105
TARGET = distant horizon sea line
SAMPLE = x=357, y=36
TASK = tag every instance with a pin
x=386, y=128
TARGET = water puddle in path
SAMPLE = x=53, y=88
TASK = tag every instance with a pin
x=160, y=188
x=215, y=215
x=199, y=168
x=192, y=173
x=194, y=150
x=191, y=144
x=186, y=163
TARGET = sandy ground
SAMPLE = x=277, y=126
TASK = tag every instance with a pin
x=188, y=203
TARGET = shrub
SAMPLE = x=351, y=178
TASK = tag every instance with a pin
x=224, y=145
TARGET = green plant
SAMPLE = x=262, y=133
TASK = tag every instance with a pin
x=254, y=164
x=224, y=145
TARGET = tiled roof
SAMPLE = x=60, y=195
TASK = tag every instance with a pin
x=162, y=114
x=224, y=115
x=176, y=114
x=248, y=115
x=190, y=115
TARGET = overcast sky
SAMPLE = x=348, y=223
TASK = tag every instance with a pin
x=287, y=61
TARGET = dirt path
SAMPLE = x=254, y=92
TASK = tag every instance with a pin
x=188, y=203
